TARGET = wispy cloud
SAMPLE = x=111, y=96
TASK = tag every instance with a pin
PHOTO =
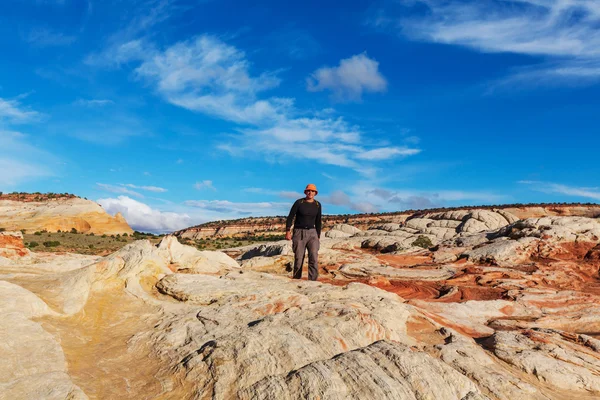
x=349, y=79
x=384, y=199
x=148, y=188
x=207, y=75
x=206, y=184
x=93, y=102
x=11, y=111
x=142, y=217
x=284, y=194
x=236, y=209
x=550, y=187
x=44, y=37
x=565, y=32
x=340, y=198
x=118, y=189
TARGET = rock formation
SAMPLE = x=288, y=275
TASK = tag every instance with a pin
x=61, y=214
x=269, y=226
x=488, y=307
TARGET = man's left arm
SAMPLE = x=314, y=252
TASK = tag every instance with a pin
x=318, y=222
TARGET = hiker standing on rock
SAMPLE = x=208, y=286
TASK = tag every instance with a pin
x=307, y=232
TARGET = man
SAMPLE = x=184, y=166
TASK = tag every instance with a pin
x=307, y=232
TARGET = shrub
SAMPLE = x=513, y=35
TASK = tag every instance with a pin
x=38, y=233
x=91, y=234
x=73, y=230
x=423, y=241
x=33, y=244
x=51, y=243
x=91, y=246
x=125, y=234
x=2, y=229
x=103, y=235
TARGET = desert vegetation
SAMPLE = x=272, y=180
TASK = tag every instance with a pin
x=36, y=196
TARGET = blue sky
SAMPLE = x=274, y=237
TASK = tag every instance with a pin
x=179, y=112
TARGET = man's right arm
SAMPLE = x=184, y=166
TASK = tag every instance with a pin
x=290, y=221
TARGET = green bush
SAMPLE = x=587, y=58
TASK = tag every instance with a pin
x=51, y=243
x=103, y=235
x=91, y=246
x=38, y=233
x=125, y=234
x=423, y=241
x=73, y=230
x=33, y=244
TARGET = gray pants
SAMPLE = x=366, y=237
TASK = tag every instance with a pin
x=302, y=239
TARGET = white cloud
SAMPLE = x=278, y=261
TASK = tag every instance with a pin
x=209, y=76
x=284, y=194
x=148, y=188
x=394, y=200
x=387, y=152
x=92, y=102
x=118, y=189
x=142, y=217
x=288, y=194
x=12, y=111
x=206, y=184
x=230, y=209
x=340, y=198
x=565, y=32
x=350, y=79
x=549, y=187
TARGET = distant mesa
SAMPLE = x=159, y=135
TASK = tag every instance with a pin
x=57, y=211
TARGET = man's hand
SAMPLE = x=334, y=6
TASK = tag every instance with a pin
x=288, y=235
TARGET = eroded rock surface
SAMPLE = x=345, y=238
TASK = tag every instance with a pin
x=492, y=308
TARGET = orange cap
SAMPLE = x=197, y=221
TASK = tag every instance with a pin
x=311, y=186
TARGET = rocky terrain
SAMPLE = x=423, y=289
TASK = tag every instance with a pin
x=273, y=226
x=466, y=304
x=34, y=212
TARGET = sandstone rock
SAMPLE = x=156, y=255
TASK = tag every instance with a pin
x=389, y=227
x=503, y=252
x=547, y=357
x=351, y=230
x=193, y=260
x=383, y=370
x=281, y=248
x=60, y=214
x=335, y=234
x=443, y=257
x=11, y=245
x=362, y=270
x=419, y=224
x=33, y=364
x=465, y=356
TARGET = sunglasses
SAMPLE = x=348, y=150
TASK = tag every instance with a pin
x=314, y=191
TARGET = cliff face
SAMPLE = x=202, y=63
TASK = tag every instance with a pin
x=276, y=225
x=60, y=214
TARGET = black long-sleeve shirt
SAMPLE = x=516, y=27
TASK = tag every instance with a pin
x=308, y=215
